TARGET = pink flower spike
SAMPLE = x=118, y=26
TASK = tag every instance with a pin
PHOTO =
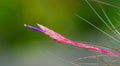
x=59, y=38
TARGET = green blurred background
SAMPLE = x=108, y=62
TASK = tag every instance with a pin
x=20, y=46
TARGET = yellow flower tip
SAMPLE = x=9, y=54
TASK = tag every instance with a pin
x=25, y=25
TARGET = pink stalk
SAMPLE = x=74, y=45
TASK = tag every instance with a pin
x=61, y=39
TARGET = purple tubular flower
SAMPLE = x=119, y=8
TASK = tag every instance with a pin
x=34, y=28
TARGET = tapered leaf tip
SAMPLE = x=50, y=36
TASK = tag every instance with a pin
x=38, y=24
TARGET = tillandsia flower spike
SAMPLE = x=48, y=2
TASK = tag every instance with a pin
x=59, y=38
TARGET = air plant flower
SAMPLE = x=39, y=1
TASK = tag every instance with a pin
x=61, y=39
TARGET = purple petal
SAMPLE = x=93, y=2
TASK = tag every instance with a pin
x=34, y=28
